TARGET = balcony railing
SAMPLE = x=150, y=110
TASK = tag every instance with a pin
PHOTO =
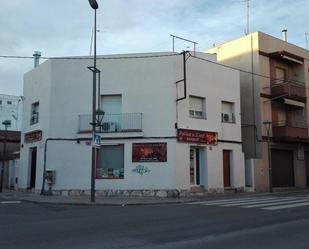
x=125, y=122
x=290, y=130
x=288, y=89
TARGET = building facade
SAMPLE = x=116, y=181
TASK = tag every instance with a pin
x=171, y=123
x=11, y=109
x=274, y=83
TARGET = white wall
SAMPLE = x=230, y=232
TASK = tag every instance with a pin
x=36, y=88
x=147, y=86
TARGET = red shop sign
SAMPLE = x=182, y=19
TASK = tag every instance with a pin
x=33, y=136
x=199, y=137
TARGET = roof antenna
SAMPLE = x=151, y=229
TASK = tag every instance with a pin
x=248, y=15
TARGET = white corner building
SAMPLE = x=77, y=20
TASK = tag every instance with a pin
x=168, y=128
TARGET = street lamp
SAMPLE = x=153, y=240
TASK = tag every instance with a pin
x=6, y=123
x=306, y=35
x=268, y=124
x=94, y=5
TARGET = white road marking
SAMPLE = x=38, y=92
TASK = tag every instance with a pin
x=305, y=203
x=238, y=201
x=279, y=202
x=10, y=202
x=255, y=202
x=218, y=201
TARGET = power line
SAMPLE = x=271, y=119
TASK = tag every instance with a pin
x=240, y=70
x=90, y=58
x=144, y=57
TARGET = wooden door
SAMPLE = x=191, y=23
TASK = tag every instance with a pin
x=33, y=167
x=226, y=168
x=307, y=167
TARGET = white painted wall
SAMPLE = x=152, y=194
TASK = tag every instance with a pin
x=147, y=86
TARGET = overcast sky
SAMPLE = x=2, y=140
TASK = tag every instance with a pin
x=63, y=27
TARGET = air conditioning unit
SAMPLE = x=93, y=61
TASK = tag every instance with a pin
x=227, y=117
x=109, y=127
x=112, y=126
x=105, y=126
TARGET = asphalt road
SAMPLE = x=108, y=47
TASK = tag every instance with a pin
x=26, y=225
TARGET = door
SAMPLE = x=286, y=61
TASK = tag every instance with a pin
x=194, y=166
x=226, y=168
x=33, y=155
x=307, y=167
x=282, y=168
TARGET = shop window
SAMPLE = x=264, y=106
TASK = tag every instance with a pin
x=227, y=114
x=34, y=117
x=111, y=162
x=197, y=107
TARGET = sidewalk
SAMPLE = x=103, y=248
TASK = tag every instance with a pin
x=10, y=195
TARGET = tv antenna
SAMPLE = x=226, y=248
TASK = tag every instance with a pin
x=180, y=38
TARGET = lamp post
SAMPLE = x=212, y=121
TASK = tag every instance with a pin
x=306, y=35
x=6, y=123
x=268, y=124
x=94, y=5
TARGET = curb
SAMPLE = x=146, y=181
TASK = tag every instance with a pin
x=156, y=202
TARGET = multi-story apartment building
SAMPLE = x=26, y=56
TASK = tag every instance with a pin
x=171, y=122
x=274, y=83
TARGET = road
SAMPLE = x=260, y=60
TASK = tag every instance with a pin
x=242, y=223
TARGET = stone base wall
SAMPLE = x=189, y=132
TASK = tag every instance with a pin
x=158, y=193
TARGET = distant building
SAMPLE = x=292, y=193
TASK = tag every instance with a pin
x=11, y=109
x=160, y=136
x=277, y=91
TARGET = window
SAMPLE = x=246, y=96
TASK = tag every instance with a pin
x=0, y=102
x=281, y=75
x=227, y=114
x=34, y=115
x=111, y=162
x=111, y=105
x=9, y=102
x=197, y=107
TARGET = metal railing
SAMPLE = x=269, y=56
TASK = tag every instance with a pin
x=34, y=118
x=288, y=87
x=291, y=123
x=125, y=122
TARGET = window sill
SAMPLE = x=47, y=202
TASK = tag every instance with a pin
x=204, y=118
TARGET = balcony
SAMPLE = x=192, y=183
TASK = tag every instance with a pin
x=290, y=131
x=288, y=89
x=111, y=123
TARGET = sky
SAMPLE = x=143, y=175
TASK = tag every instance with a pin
x=64, y=27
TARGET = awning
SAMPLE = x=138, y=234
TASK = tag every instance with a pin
x=294, y=103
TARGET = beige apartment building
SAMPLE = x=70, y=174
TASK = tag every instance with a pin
x=274, y=82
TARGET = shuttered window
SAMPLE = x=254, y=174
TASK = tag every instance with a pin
x=197, y=107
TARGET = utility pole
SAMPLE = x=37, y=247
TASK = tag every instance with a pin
x=94, y=5
x=6, y=123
